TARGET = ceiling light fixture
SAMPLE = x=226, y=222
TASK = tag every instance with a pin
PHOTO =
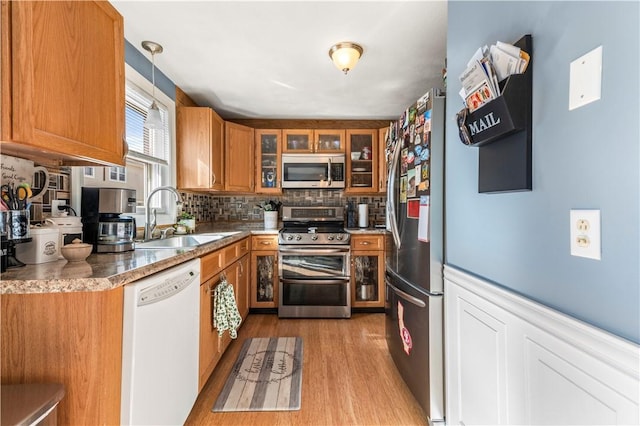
x=153, y=120
x=345, y=55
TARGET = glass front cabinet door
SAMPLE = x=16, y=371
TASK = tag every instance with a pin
x=297, y=141
x=367, y=274
x=362, y=160
x=268, y=154
x=329, y=141
x=264, y=274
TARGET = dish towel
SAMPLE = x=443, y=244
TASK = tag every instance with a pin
x=225, y=311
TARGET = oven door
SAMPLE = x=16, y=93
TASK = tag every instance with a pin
x=314, y=282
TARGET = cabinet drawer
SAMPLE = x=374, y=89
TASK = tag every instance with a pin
x=264, y=242
x=235, y=251
x=210, y=265
x=367, y=242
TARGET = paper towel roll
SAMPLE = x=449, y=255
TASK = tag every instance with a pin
x=363, y=215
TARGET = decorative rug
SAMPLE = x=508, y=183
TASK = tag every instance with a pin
x=267, y=376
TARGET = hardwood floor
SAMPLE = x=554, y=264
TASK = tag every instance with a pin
x=348, y=376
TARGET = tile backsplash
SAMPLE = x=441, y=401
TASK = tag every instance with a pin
x=214, y=207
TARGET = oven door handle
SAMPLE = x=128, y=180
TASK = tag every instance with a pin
x=338, y=280
x=313, y=250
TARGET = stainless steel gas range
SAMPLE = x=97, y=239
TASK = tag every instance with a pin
x=313, y=263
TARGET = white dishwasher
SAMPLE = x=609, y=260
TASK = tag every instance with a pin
x=160, y=347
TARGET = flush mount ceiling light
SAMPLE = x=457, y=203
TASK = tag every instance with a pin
x=345, y=55
x=153, y=120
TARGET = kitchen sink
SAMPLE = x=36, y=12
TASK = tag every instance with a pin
x=184, y=241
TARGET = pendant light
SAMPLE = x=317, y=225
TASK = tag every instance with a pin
x=345, y=55
x=153, y=120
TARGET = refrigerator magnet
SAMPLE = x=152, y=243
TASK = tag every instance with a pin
x=411, y=182
x=423, y=219
x=403, y=189
x=413, y=208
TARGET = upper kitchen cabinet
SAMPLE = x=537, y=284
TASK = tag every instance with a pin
x=297, y=140
x=383, y=174
x=200, y=153
x=268, y=154
x=239, y=159
x=309, y=141
x=362, y=161
x=63, y=82
x=330, y=141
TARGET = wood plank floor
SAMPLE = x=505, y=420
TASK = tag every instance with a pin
x=348, y=376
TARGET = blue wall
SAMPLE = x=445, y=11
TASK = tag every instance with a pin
x=585, y=158
x=141, y=63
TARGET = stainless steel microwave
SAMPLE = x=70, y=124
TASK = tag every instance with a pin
x=313, y=170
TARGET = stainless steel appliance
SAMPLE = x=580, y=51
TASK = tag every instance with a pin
x=103, y=221
x=313, y=170
x=313, y=263
x=414, y=252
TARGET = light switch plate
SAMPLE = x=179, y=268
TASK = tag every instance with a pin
x=585, y=233
x=585, y=79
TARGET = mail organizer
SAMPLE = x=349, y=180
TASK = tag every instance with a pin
x=507, y=114
x=502, y=131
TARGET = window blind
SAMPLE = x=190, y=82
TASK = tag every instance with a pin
x=147, y=145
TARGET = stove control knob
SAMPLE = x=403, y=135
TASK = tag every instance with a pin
x=314, y=237
x=289, y=237
x=339, y=237
x=298, y=237
x=330, y=238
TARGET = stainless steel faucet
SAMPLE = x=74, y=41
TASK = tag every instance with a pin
x=148, y=229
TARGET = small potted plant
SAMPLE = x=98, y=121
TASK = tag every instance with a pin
x=186, y=220
x=270, y=209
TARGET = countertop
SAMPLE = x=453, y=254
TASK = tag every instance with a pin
x=23, y=404
x=106, y=271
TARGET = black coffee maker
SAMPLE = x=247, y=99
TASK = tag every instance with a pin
x=104, y=220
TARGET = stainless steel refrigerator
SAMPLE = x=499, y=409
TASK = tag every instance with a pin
x=414, y=252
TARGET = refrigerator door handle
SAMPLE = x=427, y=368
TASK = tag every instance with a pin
x=409, y=298
x=391, y=207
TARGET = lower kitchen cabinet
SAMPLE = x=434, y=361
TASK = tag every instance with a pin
x=367, y=271
x=264, y=271
x=233, y=262
x=70, y=338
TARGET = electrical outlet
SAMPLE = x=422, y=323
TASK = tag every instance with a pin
x=239, y=206
x=55, y=212
x=585, y=233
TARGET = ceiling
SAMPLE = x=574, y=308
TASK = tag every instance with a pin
x=267, y=59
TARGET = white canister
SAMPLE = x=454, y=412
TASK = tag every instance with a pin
x=363, y=215
x=70, y=228
x=271, y=219
x=43, y=247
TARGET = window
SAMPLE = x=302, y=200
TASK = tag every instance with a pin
x=149, y=150
x=118, y=174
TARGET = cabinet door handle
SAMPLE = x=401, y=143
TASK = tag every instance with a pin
x=213, y=175
x=364, y=243
x=266, y=243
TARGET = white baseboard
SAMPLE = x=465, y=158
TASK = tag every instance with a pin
x=509, y=360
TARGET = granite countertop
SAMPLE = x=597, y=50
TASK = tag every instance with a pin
x=106, y=271
x=357, y=231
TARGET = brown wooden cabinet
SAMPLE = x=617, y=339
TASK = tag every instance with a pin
x=63, y=82
x=200, y=153
x=239, y=159
x=367, y=271
x=268, y=161
x=69, y=338
x=383, y=173
x=233, y=262
x=264, y=271
x=362, y=161
x=308, y=140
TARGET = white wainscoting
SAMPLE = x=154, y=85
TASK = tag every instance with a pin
x=509, y=360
